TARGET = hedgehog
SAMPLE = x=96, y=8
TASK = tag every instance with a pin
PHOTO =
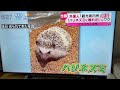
x=53, y=44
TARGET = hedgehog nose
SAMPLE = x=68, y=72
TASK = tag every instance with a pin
x=44, y=56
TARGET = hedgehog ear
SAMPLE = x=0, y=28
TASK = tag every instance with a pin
x=37, y=43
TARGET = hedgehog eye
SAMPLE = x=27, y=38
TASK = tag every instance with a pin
x=40, y=51
x=49, y=52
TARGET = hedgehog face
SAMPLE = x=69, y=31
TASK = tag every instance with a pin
x=45, y=53
x=45, y=49
x=48, y=53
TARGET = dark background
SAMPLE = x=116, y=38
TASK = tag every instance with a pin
x=0, y=62
x=116, y=51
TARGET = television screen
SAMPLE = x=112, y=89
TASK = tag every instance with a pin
x=57, y=42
